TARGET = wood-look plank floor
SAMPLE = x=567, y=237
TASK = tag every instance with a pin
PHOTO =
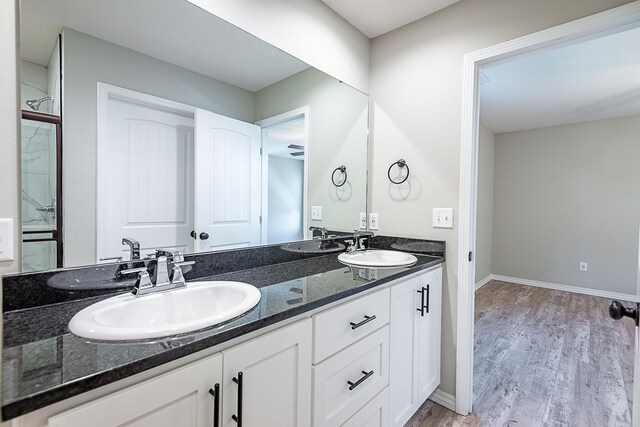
x=544, y=358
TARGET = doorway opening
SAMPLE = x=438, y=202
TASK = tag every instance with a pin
x=590, y=28
x=285, y=171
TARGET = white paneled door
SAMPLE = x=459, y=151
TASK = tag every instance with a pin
x=227, y=182
x=146, y=164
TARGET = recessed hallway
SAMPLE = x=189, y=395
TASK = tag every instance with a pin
x=544, y=358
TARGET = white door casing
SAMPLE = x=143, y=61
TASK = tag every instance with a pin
x=228, y=175
x=610, y=21
x=145, y=173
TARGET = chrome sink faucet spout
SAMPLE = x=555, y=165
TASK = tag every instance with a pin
x=161, y=280
x=357, y=242
x=134, y=247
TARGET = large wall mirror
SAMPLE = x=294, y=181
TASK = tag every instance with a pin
x=160, y=123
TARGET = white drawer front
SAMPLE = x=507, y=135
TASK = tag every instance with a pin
x=334, y=403
x=373, y=414
x=333, y=329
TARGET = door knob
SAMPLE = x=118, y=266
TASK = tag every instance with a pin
x=193, y=234
x=617, y=311
x=204, y=236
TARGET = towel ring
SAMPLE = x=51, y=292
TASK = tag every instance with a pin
x=401, y=164
x=342, y=169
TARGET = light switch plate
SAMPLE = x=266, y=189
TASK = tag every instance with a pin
x=443, y=217
x=316, y=213
x=6, y=239
x=373, y=221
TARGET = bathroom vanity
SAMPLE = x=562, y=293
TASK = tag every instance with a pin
x=328, y=344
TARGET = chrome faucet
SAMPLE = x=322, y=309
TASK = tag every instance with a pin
x=161, y=281
x=322, y=230
x=357, y=242
x=134, y=247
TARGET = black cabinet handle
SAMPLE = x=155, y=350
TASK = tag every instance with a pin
x=424, y=292
x=215, y=392
x=238, y=418
x=421, y=309
x=367, y=319
x=353, y=385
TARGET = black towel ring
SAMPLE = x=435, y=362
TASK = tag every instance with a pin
x=401, y=164
x=342, y=169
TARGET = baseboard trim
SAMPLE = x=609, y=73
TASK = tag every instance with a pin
x=566, y=288
x=443, y=399
x=484, y=281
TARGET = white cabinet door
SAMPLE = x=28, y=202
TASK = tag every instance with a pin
x=178, y=398
x=429, y=335
x=267, y=381
x=415, y=323
x=404, y=323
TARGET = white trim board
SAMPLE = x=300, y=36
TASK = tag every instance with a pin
x=622, y=17
x=484, y=281
x=566, y=288
x=443, y=399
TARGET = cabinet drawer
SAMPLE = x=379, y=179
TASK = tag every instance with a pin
x=373, y=414
x=339, y=327
x=363, y=367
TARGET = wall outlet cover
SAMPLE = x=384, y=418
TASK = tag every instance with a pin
x=373, y=221
x=363, y=220
x=6, y=239
x=316, y=213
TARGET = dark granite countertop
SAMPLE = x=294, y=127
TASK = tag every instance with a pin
x=44, y=363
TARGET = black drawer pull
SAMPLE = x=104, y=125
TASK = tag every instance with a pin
x=357, y=383
x=423, y=307
x=215, y=392
x=367, y=319
x=238, y=418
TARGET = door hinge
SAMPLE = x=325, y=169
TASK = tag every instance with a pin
x=261, y=151
x=470, y=256
x=260, y=219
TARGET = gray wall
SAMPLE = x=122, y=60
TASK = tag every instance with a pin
x=285, y=200
x=566, y=194
x=484, y=218
x=416, y=93
x=337, y=136
x=87, y=61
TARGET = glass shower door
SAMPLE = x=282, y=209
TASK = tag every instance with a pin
x=40, y=192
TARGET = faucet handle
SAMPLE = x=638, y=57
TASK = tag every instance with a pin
x=144, y=281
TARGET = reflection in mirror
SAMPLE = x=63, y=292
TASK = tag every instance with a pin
x=189, y=136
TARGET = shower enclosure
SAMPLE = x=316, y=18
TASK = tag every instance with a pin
x=41, y=184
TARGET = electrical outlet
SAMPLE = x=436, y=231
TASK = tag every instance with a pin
x=363, y=220
x=6, y=239
x=316, y=213
x=443, y=217
x=373, y=221
x=584, y=266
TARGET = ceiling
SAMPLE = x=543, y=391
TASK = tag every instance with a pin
x=376, y=17
x=590, y=80
x=174, y=31
x=282, y=135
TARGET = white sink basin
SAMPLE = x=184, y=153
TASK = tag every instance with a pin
x=377, y=258
x=199, y=305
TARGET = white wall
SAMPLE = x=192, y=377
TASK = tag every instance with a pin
x=306, y=29
x=34, y=83
x=53, y=79
x=567, y=194
x=416, y=92
x=337, y=136
x=284, y=215
x=9, y=128
x=484, y=219
x=87, y=61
